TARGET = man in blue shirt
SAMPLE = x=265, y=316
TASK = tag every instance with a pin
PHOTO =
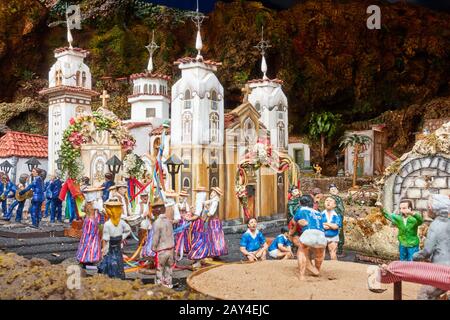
x=109, y=182
x=331, y=223
x=55, y=203
x=281, y=246
x=253, y=243
x=38, y=196
x=313, y=237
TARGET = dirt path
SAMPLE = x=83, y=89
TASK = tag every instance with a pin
x=278, y=280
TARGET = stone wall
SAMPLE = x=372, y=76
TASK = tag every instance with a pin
x=416, y=179
x=342, y=183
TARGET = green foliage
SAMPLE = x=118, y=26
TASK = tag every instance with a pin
x=324, y=124
x=241, y=77
x=353, y=140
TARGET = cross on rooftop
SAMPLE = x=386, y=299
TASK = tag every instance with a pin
x=262, y=44
x=152, y=47
x=246, y=90
x=104, y=98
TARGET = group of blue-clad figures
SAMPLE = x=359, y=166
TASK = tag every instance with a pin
x=37, y=190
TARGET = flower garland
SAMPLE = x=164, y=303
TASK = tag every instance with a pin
x=133, y=166
x=82, y=129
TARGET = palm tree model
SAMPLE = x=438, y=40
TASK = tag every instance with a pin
x=359, y=143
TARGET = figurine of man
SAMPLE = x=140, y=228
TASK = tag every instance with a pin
x=120, y=191
x=20, y=200
x=293, y=202
x=38, y=196
x=437, y=243
x=318, y=170
x=7, y=191
x=163, y=244
x=55, y=186
x=340, y=210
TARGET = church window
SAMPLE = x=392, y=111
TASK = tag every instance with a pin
x=280, y=115
x=59, y=78
x=161, y=89
x=186, y=135
x=214, y=127
x=78, y=75
x=150, y=112
x=281, y=135
x=146, y=89
x=154, y=89
x=258, y=107
x=83, y=79
x=186, y=183
x=187, y=99
x=249, y=131
x=214, y=100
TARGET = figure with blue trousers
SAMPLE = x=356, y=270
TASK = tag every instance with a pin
x=5, y=192
x=48, y=197
x=55, y=203
x=19, y=202
x=109, y=182
x=37, y=185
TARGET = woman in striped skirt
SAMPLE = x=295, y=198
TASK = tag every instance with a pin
x=89, y=249
x=182, y=238
x=216, y=238
x=198, y=235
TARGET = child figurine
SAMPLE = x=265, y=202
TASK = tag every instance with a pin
x=115, y=231
x=20, y=200
x=332, y=224
x=340, y=210
x=253, y=243
x=216, y=238
x=312, y=238
x=281, y=246
x=407, y=223
x=163, y=244
x=89, y=249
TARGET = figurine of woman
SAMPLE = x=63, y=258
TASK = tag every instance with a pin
x=115, y=230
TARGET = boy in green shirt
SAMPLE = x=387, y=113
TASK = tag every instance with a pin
x=407, y=223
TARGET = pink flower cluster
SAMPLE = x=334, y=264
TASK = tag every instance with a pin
x=127, y=144
x=76, y=139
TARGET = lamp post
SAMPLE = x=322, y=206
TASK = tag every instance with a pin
x=173, y=166
x=33, y=163
x=114, y=165
x=5, y=166
x=59, y=164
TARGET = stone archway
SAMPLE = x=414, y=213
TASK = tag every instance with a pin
x=418, y=177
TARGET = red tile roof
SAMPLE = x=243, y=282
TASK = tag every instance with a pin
x=158, y=131
x=92, y=93
x=190, y=59
x=24, y=145
x=150, y=76
x=230, y=119
x=263, y=80
x=132, y=125
x=62, y=49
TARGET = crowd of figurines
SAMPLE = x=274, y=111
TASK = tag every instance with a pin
x=169, y=228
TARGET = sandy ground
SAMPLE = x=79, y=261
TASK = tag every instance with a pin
x=278, y=280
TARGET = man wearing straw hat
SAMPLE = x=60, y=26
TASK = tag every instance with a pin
x=120, y=192
x=216, y=238
x=199, y=237
x=163, y=245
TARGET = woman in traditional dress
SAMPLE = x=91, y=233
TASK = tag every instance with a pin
x=216, y=238
x=182, y=238
x=89, y=249
x=146, y=226
x=115, y=231
x=199, y=237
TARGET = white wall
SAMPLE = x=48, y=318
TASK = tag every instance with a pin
x=306, y=152
x=22, y=166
